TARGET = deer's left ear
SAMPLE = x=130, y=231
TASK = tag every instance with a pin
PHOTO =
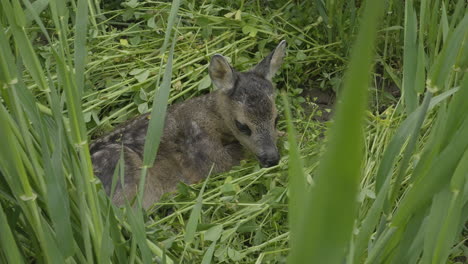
x=221, y=73
x=271, y=64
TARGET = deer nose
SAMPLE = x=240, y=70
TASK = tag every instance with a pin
x=269, y=160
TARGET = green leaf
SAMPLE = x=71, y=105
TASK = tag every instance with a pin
x=132, y=3
x=235, y=255
x=214, y=233
x=151, y=22
x=136, y=71
x=204, y=83
x=301, y=55
x=209, y=254
x=143, y=108
x=142, y=76
x=247, y=29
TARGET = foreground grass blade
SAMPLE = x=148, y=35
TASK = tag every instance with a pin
x=409, y=149
x=386, y=166
x=328, y=219
x=410, y=58
x=297, y=183
x=194, y=216
x=135, y=219
x=80, y=44
x=7, y=241
x=17, y=21
x=431, y=178
x=160, y=101
x=448, y=56
x=158, y=112
x=446, y=210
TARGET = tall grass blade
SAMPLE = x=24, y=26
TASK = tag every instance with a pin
x=16, y=177
x=425, y=186
x=32, y=13
x=191, y=226
x=16, y=20
x=328, y=220
x=448, y=56
x=160, y=101
x=431, y=175
x=297, y=181
x=410, y=53
x=135, y=220
x=56, y=197
x=158, y=112
x=7, y=74
x=81, y=26
x=408, y=152
x=369, y=223
x=34, y=9
x=7, y=241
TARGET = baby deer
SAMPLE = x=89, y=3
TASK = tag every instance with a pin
x=209, y=131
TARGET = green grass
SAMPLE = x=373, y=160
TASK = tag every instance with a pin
x=384, y=182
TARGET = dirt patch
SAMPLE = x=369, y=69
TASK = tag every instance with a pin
x=319, y=102
x=322, y=101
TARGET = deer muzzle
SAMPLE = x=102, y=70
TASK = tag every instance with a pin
x=269, y=158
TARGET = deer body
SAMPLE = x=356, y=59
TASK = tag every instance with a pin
x=209, y=132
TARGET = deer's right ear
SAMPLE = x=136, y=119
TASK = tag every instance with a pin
x=221, y=73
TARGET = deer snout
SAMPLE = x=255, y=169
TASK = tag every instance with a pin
x=269, y=158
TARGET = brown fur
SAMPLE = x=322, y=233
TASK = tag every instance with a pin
x=200, y=133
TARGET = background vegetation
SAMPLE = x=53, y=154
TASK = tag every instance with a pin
x=72, y=70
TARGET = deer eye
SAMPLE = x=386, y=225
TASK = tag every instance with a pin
x=276, y=121
x=243, y=128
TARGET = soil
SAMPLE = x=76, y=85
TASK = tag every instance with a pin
x=324, y=100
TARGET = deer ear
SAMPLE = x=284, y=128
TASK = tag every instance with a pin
x=221, y=73
x=271, y=64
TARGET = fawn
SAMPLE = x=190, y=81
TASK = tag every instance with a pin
x=209, y=132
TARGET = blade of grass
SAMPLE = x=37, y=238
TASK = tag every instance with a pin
x=19, y=183
x=369, y=223
x=17, y=22
x=328, y=220
x=209, y=253
x=191, y=226
x=57, y=199
x=7, y=240
x=35, y=8
x=136, y=222
x=445, y=220
x=410, y=58
x=432, y=178
x=424, y=187
x=297, y=182
x=81, y=26
x=448, y=56
x=158, y=111
x=408, y=152
x=32, y=13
